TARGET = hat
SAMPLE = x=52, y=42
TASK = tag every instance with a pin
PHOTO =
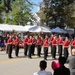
x=55, y=65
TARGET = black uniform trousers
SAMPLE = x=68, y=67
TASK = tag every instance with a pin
x=25, y=49
x=38, y=50
x=29, y=50
x=66, y=53
x=33, y=49
x=51, y=48
x=45, y=52
x=9, y=50
x=16, y=50
x=60, y=50
x=53, y=51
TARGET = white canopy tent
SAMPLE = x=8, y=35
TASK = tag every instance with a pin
x=8, y=28
x=17, y=28
x=58, y=30
x=27, y=27
x=1, y=28
x=39, y=29
x=5, y=27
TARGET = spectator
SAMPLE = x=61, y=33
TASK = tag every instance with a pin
x=42, y=65
x=71, y=61
x=62, y=70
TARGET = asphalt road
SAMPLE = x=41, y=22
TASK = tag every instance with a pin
x=22, y=65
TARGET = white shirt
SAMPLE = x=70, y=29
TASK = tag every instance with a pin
x=42, y=73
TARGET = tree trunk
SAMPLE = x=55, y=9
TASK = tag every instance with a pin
x=74, y=30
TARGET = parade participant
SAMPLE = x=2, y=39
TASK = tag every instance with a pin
x=54, y=48
x=39, y=44
x=10, y=46
x=66, y=46
x=6, y=39
x=33, y=45
x=51, y=39
x=58, y=38
x=16, y=43
x=60, y=43
x=25, y=41
x=29, y=46
x=45, y=45
x=73, y=44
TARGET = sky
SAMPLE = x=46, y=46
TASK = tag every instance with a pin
x=35, y=8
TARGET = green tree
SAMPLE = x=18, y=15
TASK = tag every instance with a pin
x=1, y=11
x=57, y=12
x=20, y=14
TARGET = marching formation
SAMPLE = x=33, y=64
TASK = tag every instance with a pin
x=30, y=42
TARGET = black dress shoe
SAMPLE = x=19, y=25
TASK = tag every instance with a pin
x=30, y=57
x=10, y=57
x=39, y=56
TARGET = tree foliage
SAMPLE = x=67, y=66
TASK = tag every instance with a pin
x=20, y=14
x=57, y=12
x=1, y=11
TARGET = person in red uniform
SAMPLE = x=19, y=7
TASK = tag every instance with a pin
x=73, y=44
x=66, y=46
x=33, y=45
x=39, y=44
x=16, y=43
x=30, y=46
x=60, y=43
x=58, y=38
x=45, y=45
x=51, y=39
x=25, y=41
x=9, y=41
x=54, y=48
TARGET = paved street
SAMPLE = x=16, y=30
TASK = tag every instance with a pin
x=21, y=65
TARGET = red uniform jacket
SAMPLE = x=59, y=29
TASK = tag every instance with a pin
x=73, y=43
x=60, y=42
x=66, y=44
x=25, y=41
x=54, y=42
x=38, y=42
x=51, y=39
x=30, y=42
x=16, y=42
x=9, y=41
x=45, y=44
